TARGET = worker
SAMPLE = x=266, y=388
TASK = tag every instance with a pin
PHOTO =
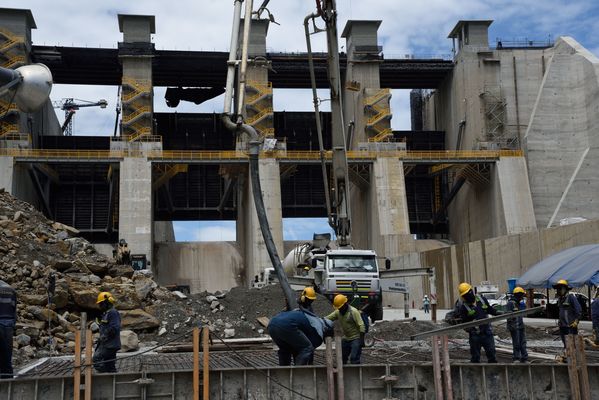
x=516, y=325
x=307, y=298
x=352, y=326
x=297, y=333
x=475, y=307
x=569, y=310
x=8, y=319
x=595, y=316
x=109, y=341
x=426, y=304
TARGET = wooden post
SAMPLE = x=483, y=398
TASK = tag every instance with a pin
x=206, y=365
x=88, y=364
x=340, y=383
x=583, y=373
x=572, y=367
x=330, y=369
x=196, y=363
x=437, y=369
x=77, y=370
x=446, y=368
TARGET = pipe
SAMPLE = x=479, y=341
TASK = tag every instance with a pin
x=317, y=112
x=232, y=62
x=263, y=220
x=247, y=24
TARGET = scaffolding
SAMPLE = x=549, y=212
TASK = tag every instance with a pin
x=378, y=114
x=496, y=135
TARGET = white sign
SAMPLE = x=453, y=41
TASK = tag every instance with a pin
x=393, y=285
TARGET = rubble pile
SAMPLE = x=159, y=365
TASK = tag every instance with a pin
x=31, y=248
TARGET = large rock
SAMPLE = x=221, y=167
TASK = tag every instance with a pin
x=99, y=269
x=121, y=270
x=42, y=314
x=129, y=341
x=62, y=265
x=138, y=319
x=84, y=296
x=61, y=294
x=124, y=294
x=34, y=299
x=62, y=227
x=143, y=286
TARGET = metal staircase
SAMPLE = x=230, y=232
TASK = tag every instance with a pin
x=136, y=108
x=11, y=49
x=259, y=107
x=378, y=112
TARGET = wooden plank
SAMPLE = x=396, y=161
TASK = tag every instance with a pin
x=583, y=373
x=340, y=382
x=88, y=364
x=264, y=321
x=437, y=369
x=196, y=364
x=330, y=368
x=572, y=367
x=206, y=363
x=446, y=368
x=77, y=370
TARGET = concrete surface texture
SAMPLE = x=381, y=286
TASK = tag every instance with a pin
x=135, y=205
x=561, y=142
x=494, y=260
x=204, y=266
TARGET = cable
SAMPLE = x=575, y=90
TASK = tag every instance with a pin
x=243, y=359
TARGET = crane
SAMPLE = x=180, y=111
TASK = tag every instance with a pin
x=70, y=106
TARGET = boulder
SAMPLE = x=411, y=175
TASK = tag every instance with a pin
x=229, y=333
x=138, y=319
x=62, y=265
x=210, y=299
x=143, y=286
x=43, y=314
x=124, y=294
x=34, y=299
x=84, y=296
x=129, y=341
x=121, y=270
x=62, y=227
x=97, y=268
x=23, y=340
x=61, y=294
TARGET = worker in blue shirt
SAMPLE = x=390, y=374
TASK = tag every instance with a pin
x=297, y=333
x=595, y=316
x=474, y=307
x=516, y=325
x=8, y=319
x=110, y=335
x=569, y=310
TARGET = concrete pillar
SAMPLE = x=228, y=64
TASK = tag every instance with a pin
x=249, y=234
x=135, y=53
x=362, y=81
x=516, y=199
x=7, y=175
x=164, y=231
x=135, y=205
x=15, y=41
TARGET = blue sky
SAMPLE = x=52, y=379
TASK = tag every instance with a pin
x=409, y=27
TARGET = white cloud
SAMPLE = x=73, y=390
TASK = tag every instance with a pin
x=204, y=231
x=304, y=228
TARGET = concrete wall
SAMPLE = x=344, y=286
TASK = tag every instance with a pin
x=135, y=205
x=495, y=259
x=204, y=266
x=562, y=141
x=15, y=179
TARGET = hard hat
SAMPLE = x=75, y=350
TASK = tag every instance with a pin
x=309, y=293
x=339, y=301
x=561, y=282
x=464, y=288
x=105, y=296
x=518, y=289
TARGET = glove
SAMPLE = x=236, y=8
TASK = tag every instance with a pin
x=362, y=342
x=574, y=324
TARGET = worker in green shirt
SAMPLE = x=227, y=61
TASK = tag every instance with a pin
x=353, y=329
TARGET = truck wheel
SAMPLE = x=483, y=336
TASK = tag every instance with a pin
x=377, y=313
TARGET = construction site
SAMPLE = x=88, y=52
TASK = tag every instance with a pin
x=495, y=176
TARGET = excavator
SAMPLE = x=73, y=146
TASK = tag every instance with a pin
x=332, y=267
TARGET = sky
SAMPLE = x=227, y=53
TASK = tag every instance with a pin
x=408, y=27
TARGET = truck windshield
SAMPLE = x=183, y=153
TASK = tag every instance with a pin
x=349, y=263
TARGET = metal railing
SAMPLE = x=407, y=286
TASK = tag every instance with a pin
x=17, y=136
x=144, y=138
x=280, y=154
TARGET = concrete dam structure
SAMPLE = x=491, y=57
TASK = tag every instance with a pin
x=503, y=143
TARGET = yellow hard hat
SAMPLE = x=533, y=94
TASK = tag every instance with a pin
x=518, y=289
x=464, y=288
x=562, y=282
x=105, y=296
x=339, y=301
x=309, y=293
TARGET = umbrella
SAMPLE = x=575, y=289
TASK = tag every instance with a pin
x=578, y=265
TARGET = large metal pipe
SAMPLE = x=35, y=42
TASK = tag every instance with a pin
x=247, y=24
x=315, y=100
x=232, y=63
